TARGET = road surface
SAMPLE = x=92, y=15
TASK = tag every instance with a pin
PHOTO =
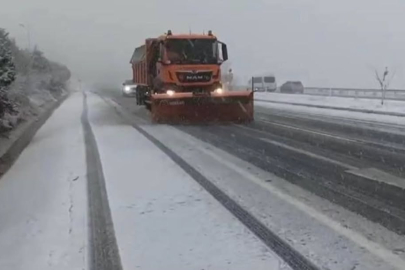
x=100, y=187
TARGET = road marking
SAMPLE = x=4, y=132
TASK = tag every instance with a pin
x=374, y=248
x=310, y=131
x=359, y=141
x=373, y=125
x=377, y=175
x=344, y=165
x=373, y=174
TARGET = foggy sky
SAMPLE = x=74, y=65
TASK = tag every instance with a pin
x=321, y=42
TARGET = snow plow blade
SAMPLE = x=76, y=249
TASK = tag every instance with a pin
x=190, y=108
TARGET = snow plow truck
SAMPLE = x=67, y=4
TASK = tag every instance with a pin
x=178, y=78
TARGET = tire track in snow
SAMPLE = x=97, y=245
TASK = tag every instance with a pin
x=292, y=257
x=103, y=248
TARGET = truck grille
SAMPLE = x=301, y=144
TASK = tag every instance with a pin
x=194, y=77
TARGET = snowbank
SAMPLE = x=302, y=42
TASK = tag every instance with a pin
x=390, y=106
x=29, y=95
x=43, y=198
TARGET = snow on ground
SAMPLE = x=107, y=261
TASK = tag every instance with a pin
x=332, y=237
x=42, y=198
x=396, y=120
x=163, y=219
x=352, y=103
x=30, y=97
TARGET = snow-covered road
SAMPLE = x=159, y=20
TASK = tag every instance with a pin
x=175, y=202
x=43, y=198
x=162, y=218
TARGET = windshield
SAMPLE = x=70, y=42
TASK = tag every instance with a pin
x=257, y=79
x=269, y=79
x=191, y=51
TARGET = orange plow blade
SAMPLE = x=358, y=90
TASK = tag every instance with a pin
x=234, y=107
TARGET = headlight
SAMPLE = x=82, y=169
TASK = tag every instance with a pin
x=219, y=91
x=127, y=89
x=170, y=92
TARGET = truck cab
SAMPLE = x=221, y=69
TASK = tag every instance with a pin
x=187, y=63
x=179, y=79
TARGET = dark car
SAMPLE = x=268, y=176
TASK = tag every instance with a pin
x=294, y=87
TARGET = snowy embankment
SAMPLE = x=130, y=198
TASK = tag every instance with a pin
x=30, y=95
x=392, y=107
x=34, y=101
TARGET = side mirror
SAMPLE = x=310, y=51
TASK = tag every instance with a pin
x=224, y=51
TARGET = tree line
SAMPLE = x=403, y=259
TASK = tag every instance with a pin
x=24, y=63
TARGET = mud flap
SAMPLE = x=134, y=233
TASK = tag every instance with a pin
x=188, y=108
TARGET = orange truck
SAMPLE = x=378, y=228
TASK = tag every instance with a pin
x=178, y=78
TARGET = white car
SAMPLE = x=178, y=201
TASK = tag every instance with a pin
x=264, y=83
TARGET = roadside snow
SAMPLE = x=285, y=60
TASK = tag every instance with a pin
x=30, y=97
x=340, y=114
x=43, y=198
x=352, y=103
x=163, y=219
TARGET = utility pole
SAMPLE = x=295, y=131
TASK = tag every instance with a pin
x=27, y=28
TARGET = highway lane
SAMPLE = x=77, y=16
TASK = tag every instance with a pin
x=161, y=217
x=86, y=194
x=323, y=176
x=355, y=164
x=278, y=193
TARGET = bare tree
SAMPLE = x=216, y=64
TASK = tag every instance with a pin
x=384, y=81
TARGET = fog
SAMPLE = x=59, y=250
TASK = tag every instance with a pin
x=322, y=43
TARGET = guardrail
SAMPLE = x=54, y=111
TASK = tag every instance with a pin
x=391, y=94
x=394, y=94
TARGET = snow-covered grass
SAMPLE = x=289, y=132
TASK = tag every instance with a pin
x=29, y=96
x=331, y=113
x=339, y=102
